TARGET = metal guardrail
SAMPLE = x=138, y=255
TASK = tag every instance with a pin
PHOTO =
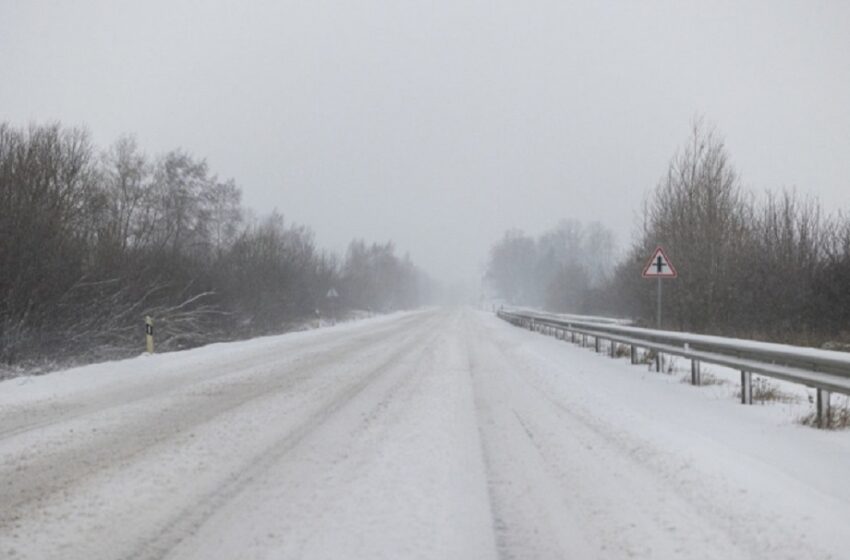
x=824, y=371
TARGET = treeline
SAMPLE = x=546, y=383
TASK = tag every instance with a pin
x=564, y=269
x=774, y=266
x=92, y=241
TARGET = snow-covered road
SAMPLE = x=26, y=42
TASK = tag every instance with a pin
x=436, y=434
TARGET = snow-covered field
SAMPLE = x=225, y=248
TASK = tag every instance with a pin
x=435, y=434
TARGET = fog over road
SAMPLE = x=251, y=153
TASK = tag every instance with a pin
x=443, y=433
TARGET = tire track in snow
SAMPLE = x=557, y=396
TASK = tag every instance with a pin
x=529, y=518
x=396, y=474
x=18, y=420
x=186, y=522
x=35, y=475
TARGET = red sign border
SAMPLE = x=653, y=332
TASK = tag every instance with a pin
x=660, y=249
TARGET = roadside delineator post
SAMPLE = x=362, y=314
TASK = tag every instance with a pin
x=149, y=334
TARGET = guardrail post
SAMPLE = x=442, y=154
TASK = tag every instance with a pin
x=596, y=344
x=696, y=374
x=746, y=387
x=823, y=412
x=573, y=337
x=658, y=361
x=613, y=349
x=633, y=354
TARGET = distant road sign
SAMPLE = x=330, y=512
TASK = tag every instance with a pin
x=659, y=266
x=332, y=293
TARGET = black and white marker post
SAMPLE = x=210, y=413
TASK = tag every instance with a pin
x=149, y=334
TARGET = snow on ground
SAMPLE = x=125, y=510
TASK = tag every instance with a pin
x=436, y=434
x=725, y=480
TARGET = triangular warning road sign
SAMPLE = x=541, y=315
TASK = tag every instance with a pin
x=659, y=266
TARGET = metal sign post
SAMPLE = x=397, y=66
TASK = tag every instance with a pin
x=658, y=306
x=659, y=267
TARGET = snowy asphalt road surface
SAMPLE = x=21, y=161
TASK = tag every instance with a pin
x=437, y=434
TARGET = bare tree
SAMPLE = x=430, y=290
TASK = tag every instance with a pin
x=90, y=245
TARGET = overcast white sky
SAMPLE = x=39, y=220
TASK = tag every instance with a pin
x=441, y=124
